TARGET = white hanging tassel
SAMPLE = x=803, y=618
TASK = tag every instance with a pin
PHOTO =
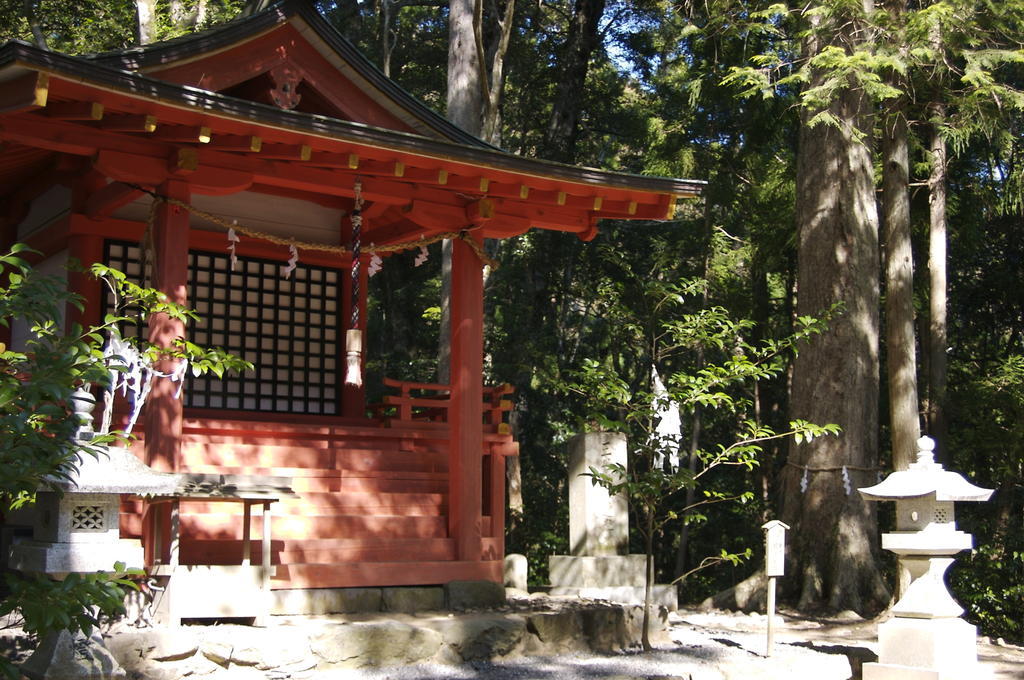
x=293, y=261
x=353, y=357
x=804, y=482
x=232, y=240
x=846, y=481
x=422, y=256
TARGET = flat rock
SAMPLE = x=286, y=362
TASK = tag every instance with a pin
x=153, y=644
x=72, y=656
x=556, y=627
x=476, y=638
x=383, y=643
x=606, y=629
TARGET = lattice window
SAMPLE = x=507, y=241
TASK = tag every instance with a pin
x=88, y=518
x=941, y=516
x=288, y=328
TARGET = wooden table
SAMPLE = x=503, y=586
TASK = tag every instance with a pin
x=208, y=590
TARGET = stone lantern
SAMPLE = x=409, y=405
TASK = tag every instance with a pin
x=76, y=524
x=926, y=639
x=77, y=529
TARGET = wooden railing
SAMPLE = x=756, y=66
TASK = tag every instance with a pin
x=429, y=402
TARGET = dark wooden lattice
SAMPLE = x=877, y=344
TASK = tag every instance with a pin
x=288, y=328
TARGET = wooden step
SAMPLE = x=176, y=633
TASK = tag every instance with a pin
x=217, y=526
x=349, y=503
x=316, y=428
x=273, y=456
x=363, y=574
x=362, y=502
x=298, y=472
x=324, y=551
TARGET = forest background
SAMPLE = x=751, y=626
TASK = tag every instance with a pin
x=841, y=142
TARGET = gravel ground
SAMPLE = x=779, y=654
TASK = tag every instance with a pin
x=708, y=646
x=700, y=646
x=696, y=653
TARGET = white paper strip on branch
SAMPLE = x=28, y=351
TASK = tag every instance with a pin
x=669, y=430
x=232, y=241
x=132, y=372
x=293, y=261
x=422, y=256
x=375, y=264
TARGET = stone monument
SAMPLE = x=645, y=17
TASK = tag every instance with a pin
x=926, y=639
x=599, y=567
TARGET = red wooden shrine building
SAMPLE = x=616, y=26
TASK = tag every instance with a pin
x=273, y=124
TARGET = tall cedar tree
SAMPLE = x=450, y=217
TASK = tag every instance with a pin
x=836, y=377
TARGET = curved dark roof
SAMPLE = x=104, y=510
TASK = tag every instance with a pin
x=100, y=73
x=218, y=37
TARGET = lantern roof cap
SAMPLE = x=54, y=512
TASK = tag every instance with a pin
x=923, y=478
x=115, y=470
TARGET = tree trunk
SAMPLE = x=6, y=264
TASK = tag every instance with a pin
x=836, y=376
x=146, y=21
x=901, y=362
x=254, y=6
x=464, y=109
x=645, y=635
x=937, y=340
x=697, y=422
x=582, y=39
x=464, y=68
x=38, y=35
x=184, y=19
x=493, y=77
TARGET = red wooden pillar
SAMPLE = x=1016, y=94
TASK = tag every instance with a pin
x=163, y=417
x=465, y=491
x=87, y=249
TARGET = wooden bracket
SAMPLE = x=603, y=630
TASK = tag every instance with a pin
x=25, y=93
x=480, y=212
x=75, y=110
x=123, y=122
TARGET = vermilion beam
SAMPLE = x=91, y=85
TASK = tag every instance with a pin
x=105, y=201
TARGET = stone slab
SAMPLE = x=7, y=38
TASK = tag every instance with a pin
x=413, y=599
x=60, y=559
x=596, y=571
x=662, y=595
x=461, y=595
x=326, y=601
x=598, y=521
x=928, y=643
x=889, y=671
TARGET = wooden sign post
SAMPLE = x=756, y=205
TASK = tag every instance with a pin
x=774, y=566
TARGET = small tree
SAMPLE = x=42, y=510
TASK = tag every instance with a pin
x=38, y=421
x=652, y=480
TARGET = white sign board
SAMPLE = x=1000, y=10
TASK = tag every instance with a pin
x=775, y=548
